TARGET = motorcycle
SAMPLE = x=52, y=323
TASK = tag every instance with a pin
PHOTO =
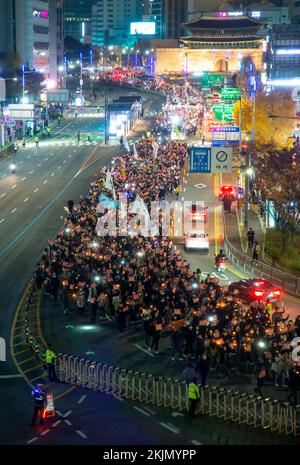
x=13, y=167
x=221, y=266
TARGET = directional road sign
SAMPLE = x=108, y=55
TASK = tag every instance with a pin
x=199, y=159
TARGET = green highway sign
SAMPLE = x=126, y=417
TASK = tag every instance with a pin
x=211, y=80
x=230, y=93
x=223, y=111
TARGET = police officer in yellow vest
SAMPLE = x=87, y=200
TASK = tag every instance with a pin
x=194, y=397
x=49, y=360
x=269, y=309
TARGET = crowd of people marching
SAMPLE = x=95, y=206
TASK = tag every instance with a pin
x=131, y=278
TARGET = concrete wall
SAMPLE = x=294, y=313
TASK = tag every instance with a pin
x=174, y=59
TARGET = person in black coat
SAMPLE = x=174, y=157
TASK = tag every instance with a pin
x=294, y=383
x=203, y=368
x=149, y=329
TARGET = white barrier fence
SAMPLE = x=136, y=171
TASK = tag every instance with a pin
x=216, y=402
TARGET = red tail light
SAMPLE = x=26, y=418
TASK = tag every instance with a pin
x=258, y=293
x=277, y=293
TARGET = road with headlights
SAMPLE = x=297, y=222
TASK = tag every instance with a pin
x=32, y=202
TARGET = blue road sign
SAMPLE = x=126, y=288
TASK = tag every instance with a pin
x=225, y=136
x=200, y=160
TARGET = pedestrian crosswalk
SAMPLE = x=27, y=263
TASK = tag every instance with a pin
x=66, y=142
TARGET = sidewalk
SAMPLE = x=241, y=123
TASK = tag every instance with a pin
x=236, y=233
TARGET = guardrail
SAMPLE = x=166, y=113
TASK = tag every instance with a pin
x=218, y=402
x=287, y=282
x=36, y=347
x=6, y=149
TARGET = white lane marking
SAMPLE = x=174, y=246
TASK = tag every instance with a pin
x=3, y=175
x=144, y=350
x=142, y=411
x=177, y=414
x=27, y=198
x=81, y=399
x=9, y=376
x=81, y=434
x=52, y=174
x=46, y=159
x=13, y=211
x=1, y=196
x=40, y=164
x=15, y=185
x=29, y=156
x=59, y=413
x=67, y=414
x=200, y=185
x=170, y=427
x=52, y=153
x=68, y=422
x=32, y=440
x=223, y=277
x=20, y=162
x=1, y=221
x=45, y=432
x=65, y=161
x=46, y=180
x=56, y=423
x=149, y=410
x=23, y=179
x=197, y=443
x=118, y=397
x=36, y=189
x=31, y=172
x=69, y=156
x=59, y=167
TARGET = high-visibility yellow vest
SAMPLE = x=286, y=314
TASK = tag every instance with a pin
x=269, y=308
x=193, y=391
x=49, y=356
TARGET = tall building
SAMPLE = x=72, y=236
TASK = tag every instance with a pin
x=33, y=30
x=111, y=20
x=284, y=53
x=196, y=7
x=294, y=6
x=77, y=19
x=169, y=16
x=56, y=37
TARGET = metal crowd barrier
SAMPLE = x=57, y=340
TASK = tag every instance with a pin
x=217, y=402
x=287, y=282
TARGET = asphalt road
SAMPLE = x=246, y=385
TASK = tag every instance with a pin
x=33, y=216
x=31, y=211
